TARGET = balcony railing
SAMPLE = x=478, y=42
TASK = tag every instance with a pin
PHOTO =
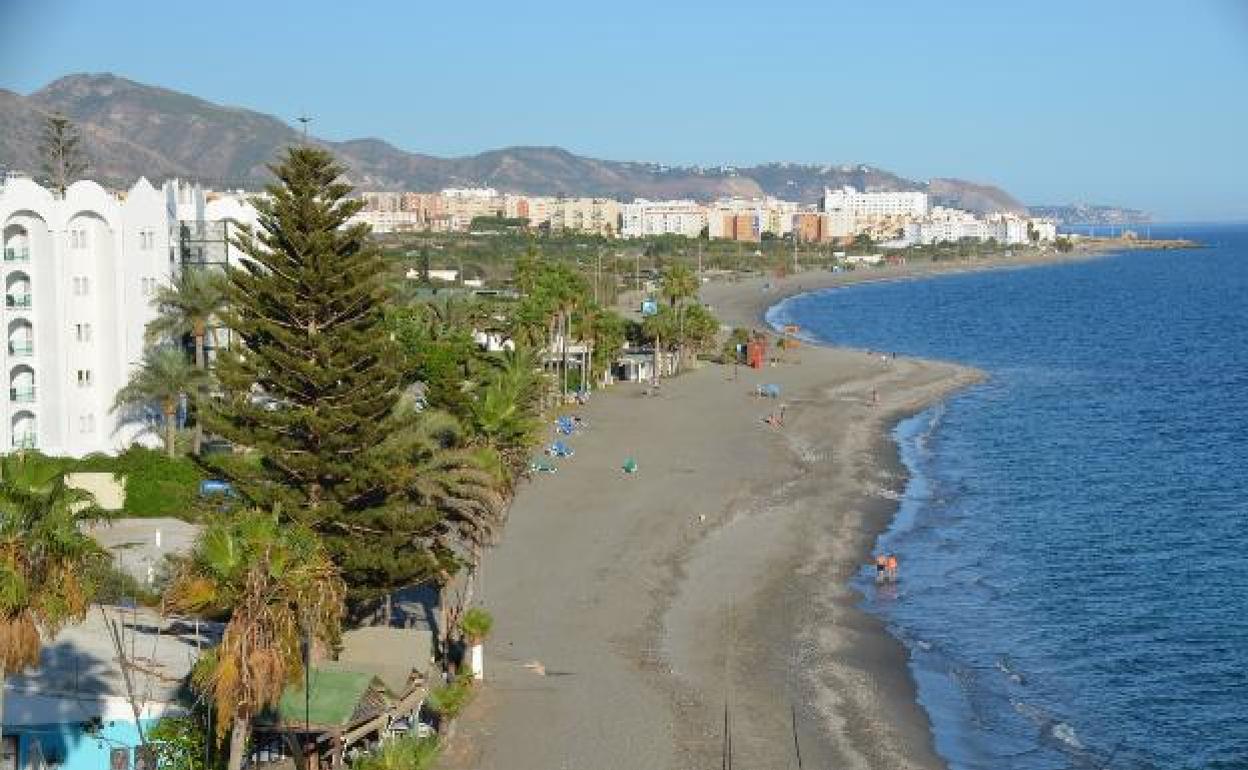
x=21, y=254
x=25, y=441
x=26, y=348
x=17, y=301
x=22, y=395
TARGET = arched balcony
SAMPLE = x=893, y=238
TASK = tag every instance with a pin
x=21, y=338
x=16, y=244
x=22, y=384
x=17, y=291
x=23, y=430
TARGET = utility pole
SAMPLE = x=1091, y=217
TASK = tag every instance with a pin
x=304, y=120
x=597, y=275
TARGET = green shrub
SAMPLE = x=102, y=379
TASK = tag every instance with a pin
x=180, y=743
x=449, y=700
x=156, y=485
x=407, y=753
x=112, y=585
x=476, y=624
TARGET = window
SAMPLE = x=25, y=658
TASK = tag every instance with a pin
x=82, y=286
x=82, y=332
x=78, y=239
x=84, y=378
x=86, y=423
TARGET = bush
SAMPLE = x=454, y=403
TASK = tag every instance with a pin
x=449, y=700
x=407, y=753
x=476, y=624
x=156, y=485
x=112, y=585
x=180, y=743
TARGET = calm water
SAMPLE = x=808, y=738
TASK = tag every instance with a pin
x=1075, y=587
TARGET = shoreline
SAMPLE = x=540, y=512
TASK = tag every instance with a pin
x=648, y=620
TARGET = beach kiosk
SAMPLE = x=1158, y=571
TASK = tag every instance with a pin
x=756, y=351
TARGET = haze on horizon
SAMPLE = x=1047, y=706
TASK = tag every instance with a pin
x=1137, y=104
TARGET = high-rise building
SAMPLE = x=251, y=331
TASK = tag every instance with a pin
x=875, y=205
x=642, y=217
x=79, y=273
x=597, y=216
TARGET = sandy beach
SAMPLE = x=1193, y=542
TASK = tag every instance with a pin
x=650, y=620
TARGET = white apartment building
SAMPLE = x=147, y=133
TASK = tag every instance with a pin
x=388, y=221
x=79, y=272
x=769, y=215
x=945, y=225
x=875, y=205
x=598, y=216
x=642, y=217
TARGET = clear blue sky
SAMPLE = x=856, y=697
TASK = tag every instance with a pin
x=1130, y=102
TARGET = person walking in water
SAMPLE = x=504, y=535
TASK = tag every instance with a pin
x=891, y=567
x=881, y=568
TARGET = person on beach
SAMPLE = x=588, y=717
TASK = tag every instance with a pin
x=881, y=567
x=892, y=567
x=875, y=397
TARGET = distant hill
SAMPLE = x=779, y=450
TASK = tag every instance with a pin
x=134, y=130
x=1090, y=214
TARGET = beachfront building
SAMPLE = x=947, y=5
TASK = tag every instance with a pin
x=642, y=218
x=72, y=712
x=875, y=205
x=595, y=216
x=748, y=219
x=822, y=227
x=79, y=272
x=946, y=225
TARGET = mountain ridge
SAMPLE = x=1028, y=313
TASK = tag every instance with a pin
x=132, y=129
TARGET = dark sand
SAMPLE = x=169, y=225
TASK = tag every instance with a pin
x=634, y=612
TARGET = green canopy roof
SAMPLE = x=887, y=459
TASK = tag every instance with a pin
x=333, y=698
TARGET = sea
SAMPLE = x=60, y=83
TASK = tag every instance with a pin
x=1073, y=538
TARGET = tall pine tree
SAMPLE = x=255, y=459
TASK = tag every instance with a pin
x=311, y=389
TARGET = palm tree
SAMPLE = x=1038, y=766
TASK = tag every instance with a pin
x=163, y=377
x=187, y=307
x=43, y=557
x=658, y=327
x=504, y=411
x=436, y=469
x=679, y=284
x=276, y=583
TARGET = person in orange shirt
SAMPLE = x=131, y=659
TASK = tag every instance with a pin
x=892, y=567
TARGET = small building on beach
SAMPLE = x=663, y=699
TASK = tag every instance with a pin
x=74, y=712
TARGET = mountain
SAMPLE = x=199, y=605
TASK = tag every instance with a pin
x=131, y=130
x=1091, y=214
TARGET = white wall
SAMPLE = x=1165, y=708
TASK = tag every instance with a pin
x=93, y=263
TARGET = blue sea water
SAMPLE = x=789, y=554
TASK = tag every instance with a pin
x=1073, y=539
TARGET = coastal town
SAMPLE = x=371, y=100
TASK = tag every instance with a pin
x=485, y=387
x=138, y=387
x=894, y=218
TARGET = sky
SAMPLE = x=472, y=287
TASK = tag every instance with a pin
x=1138, y=103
